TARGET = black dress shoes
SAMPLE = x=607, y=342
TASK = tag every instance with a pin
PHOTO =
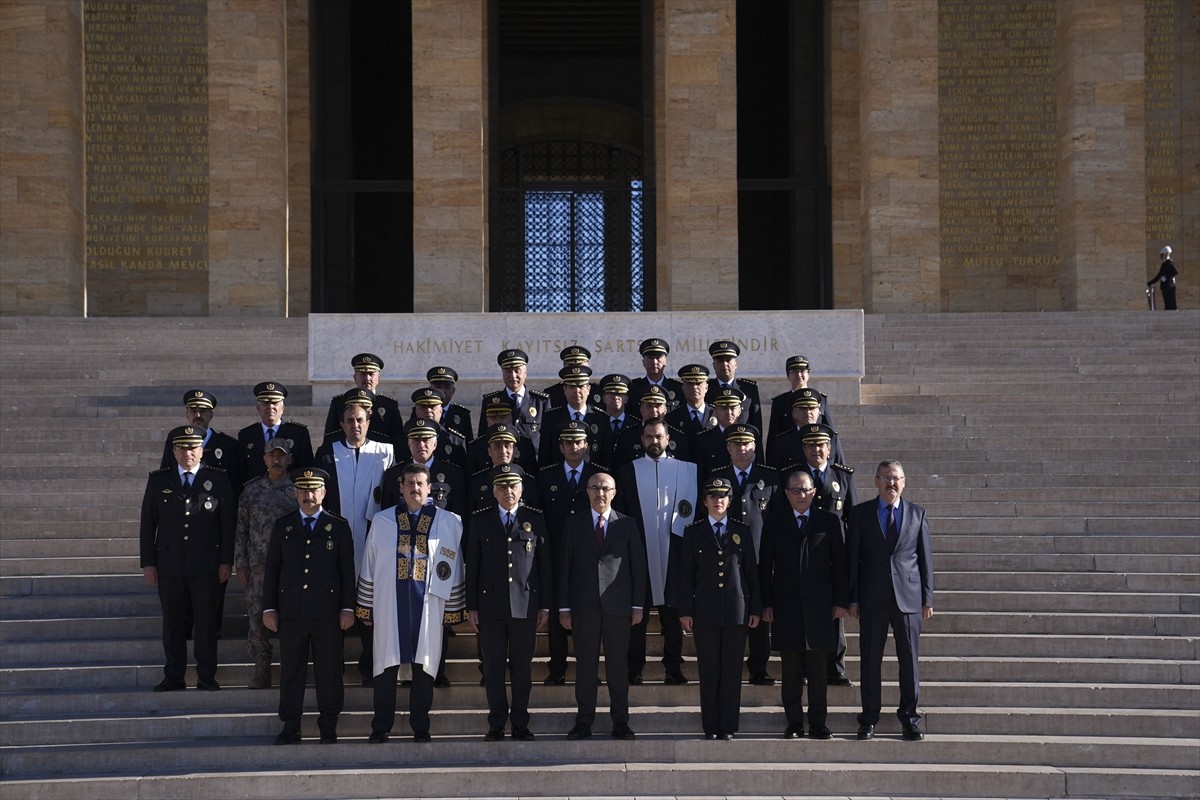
x=288, y=736
x=421, y=737
x=377, y=737
x=522, y=734
x=441, y=682
x=761, y=679
x=579, y=732
x=793, y=732
x=328, y=738
x=170, y=686
x=839, y=680
x=912, y=733
x=821, y=732
x=725, y=737
x=635, y=679
x=555, y=680
x=710, y=736
x=675, y=679
x=208, y=685
x=494, y=735
x=623, y=732
x=866, y=732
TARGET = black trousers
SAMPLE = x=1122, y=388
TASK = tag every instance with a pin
x=557, y=637
x=797, y=666
x=589, y=631
x=189, y=601
x=758, y=647
x=836, y=659
x=1168, y=292
x=873, y=629
x=719, y=650
x=672, y=633
x=366, y=665
x=420, y=700
x=511, y=641
x=323, y=637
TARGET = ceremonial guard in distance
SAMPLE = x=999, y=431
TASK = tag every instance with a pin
x=529, y=405
x=385, y=422
x=805, y=595
x=356, y=466
x=891, y=585
x=454, y=416
x=429, y=404
x=561, y=487
x=264, y=500
x=781, y=404
x=220, y=450
x=498, y=410
x=786, y=447
x=1166, y=277
x=719, y=601
x=725, y=362
x=601, y=582
x=410, y=585
x=270, y=396
x=711, y=450
x=448, y=486
x=653, y=406
x=186, y=544
x=694, y=414
x=308, y=597
x=660, y=494
x=575, y=386
x=501, y=450
x=654, y=361
x=615, y=388
x=508, y=597
x=754, y=491
x=573, y=356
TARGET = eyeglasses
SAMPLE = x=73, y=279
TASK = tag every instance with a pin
x=890, y=478
x=602, y=489
x=798, y=490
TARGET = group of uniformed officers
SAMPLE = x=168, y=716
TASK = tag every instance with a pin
x=575, y=510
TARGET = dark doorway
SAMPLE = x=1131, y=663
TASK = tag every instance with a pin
x=362, y=196
x=571, y=179
x=784, y=227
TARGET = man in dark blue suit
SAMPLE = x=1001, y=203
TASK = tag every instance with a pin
x=891, y=584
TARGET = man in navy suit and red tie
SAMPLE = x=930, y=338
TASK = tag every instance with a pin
x=891, y=584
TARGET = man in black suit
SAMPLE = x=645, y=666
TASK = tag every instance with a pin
x=719, y=600
x=429, y=404
x=561, y=487
x=615, y=388
x=891, y=584
x=252, y=438
x=725, y=363
x=654, y=361
x=508, y=597
x=602, y=580
x=529, y=405
x=186, y=544
x=220, y=450
x=712, y=450
x=308, y=598
x=781, y=404
x=805, y=591
x=502, y=442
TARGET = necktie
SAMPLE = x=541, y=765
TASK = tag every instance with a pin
x=508, y=521
x=577, y=416
x=893, y=530
x=599, y=533
x=310, y=523
x=187, y=480
x=616, y=426
x=413, y=516
x=801, y=520
x=573, y=481
x=270, y=433
x=717, y=529
x=741, y=481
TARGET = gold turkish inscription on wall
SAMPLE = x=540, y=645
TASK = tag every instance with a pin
x=1162, y=123
x=146, y=73
x=997, y=154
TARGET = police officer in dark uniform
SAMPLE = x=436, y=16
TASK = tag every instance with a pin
x=454, y=416
x=615, y=396
x=711, y=448
x=562, y=487
x=189, y=513
x=308, y=597
x=654, y=361
x=252, y=438
x=447, y=481
x=573, y=356
x=501, y=449
x=652, y=405
x=498, y=410
x=718, y=601
x=781, y=404
x=508, y=597
x=575, y=386
x=529, y=405
x=430, y=404
x=787, y=447
x=220, y=450
x=695, y=413
x=725, y=361
x=755, y=489
x=385, y=421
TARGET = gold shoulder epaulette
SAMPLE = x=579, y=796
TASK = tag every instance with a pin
x=844, y=468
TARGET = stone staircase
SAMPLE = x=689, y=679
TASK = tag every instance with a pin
x=1058, y=455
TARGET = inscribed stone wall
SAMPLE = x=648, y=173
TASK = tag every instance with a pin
x=146, y=78
x=997, y=146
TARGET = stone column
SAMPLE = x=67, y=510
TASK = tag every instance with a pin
x=695, y=65
x=898, y=47
x=1101, y=174
x=299, y=165
x=41, y=158
x=248, y=158
x=842, y=108
x=449, y=97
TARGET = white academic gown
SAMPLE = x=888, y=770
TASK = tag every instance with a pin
x=358, y=479
x=445, y=587
x=667, y=494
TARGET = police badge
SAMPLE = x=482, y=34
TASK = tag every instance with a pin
x=443, y=570
x=218, y=452
x=685, y=508
x=329, y=544
x=836, y=487
x=736, y=539
x=208, y=486
x=328, y=526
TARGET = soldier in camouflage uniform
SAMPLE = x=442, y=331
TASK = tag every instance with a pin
x=264, y=500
